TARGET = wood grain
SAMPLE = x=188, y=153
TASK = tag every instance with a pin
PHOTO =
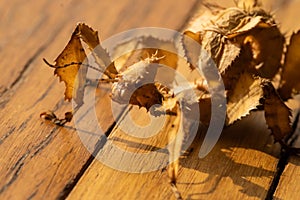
x=288, y=187
x=241, y=166
x=39, y=160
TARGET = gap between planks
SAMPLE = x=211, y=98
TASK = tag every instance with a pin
x=68, y=188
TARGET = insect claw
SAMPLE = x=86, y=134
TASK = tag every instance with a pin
x=59, y=122
x=50, y=116
x=68, y=116
x=176, y=191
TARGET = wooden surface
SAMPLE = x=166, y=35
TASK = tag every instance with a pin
x=41, y=161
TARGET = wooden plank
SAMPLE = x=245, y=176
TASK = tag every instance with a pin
x=39, y=160
x=241, y=166
x=288, y=187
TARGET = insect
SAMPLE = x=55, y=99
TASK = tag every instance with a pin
x=244, y=42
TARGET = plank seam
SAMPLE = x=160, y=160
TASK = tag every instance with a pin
x=283, y=160
x=72, y=183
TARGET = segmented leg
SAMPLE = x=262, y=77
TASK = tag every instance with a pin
x=50, y=116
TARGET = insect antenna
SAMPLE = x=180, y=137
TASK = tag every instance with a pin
x=73, y=63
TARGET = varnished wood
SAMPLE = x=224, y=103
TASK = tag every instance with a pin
x=41, y=161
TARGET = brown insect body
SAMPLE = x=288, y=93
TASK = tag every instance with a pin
x=247, y=47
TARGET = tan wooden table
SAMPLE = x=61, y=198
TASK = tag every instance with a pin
x=42, y=161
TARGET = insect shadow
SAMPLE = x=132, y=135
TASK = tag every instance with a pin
x=250, y=137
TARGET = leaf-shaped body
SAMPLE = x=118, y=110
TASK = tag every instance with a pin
x=244, y=98
x=266, y=45
x=277, y=114
x=72, y=57
x=71, y=65
x=234, y=30
x=290, y=82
